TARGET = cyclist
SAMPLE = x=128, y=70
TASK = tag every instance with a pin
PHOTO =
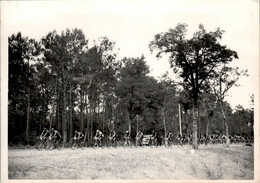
x=168, y=138
x=180, y=139
x=127, y=138
x=223, y=139
x=54, y=134
x=44, y=134
x=98, y=137
x=139, y=138
x=78, y=135
x=169, y=135
x=112, y=137
x=154, y=138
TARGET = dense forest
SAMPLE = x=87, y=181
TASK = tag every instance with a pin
x=63, y=82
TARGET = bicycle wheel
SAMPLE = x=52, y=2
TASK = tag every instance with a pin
x=179, y=144
x=59, y=144
x=83, y=144
x=95, y=145
x=125, y=144
x=39, y=145
x=109, y=144
x=166, y=143
x=50, y=145
x=74, y=145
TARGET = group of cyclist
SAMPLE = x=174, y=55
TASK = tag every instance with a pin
x=155, y=139
x=50, y=134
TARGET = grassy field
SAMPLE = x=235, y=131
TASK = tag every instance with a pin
x=212, y=162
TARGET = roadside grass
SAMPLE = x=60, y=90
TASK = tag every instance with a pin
x=207, y=163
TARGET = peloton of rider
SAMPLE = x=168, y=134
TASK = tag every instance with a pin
x=54, y=134
x=44, y=134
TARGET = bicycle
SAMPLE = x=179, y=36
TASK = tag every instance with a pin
x=180, y=142
x=153, y=142
x=111, y=142
x=76, y=143
x=54, y=143
x=167, y=142
x=138, y=142
x=96, y=144
x=127, y=142
x=41, y=143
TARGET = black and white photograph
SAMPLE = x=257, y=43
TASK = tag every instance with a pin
x=130, y=90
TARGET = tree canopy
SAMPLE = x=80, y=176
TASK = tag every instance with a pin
x=65, y=83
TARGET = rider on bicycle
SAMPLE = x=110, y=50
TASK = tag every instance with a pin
x=127, y=137
x=44, y=134
x=140, y=135
x=154, y=137
x=99, y=135
x=112, y=135
x=54, y=134
x=139, y=138
x=169, y=135
x=78, y=135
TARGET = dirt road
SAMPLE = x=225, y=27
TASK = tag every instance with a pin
x=212, y=162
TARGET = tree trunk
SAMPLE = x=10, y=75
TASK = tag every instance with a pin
x=199, y=125
x=64, y=120
x=71, y=110
x=53, y=103
x=195, y=126
x=91, y=122
x=137, y=124
x=180, y=119
x=129, y=121
x=104, y=113
x=28, y=118
x=225, y=123
x=207, y=128
x=58, y=110
x=164, y=120
x=81, y=110
x=87, y=117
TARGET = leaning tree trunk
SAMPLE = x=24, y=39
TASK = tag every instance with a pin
x=195, y=126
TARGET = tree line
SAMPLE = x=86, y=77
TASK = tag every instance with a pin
x=65, y=83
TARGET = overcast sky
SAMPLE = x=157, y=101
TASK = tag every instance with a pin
x=133, y=24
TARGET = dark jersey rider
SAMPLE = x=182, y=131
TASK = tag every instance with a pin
x=54, y=134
